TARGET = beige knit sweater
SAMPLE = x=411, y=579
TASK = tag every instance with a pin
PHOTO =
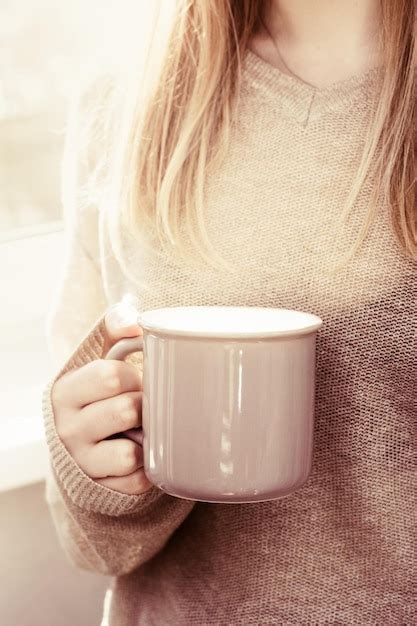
x=343, y=548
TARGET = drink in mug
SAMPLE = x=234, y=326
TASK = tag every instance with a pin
x=228, y=400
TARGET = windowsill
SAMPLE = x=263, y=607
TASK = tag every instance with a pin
x=23, y=449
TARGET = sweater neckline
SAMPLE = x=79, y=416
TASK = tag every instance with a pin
x=301, y=101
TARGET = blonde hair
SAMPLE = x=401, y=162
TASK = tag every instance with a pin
x=170, y=119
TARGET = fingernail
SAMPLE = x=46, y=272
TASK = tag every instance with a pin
x=131, y=300
x=125, y=314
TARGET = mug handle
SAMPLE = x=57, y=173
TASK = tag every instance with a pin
x=120, y=351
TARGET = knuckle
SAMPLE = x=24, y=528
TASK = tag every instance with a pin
x=127, y=403
x=140, y=483
x=114, y=367
x=102, y=368
x=101, y=365
x=113, y=383
x=128, y=418
x=128, y=457
x=66, y=429
x=123, y=419
x=110, y=374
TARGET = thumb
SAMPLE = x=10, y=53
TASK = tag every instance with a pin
x=120, y=321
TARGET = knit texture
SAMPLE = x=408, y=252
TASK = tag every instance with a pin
x=343, y=548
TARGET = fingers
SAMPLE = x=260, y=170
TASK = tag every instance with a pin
x=103, y=418
x=120, y=321
x=133, y=484
x=96, y=380
x=115, y=457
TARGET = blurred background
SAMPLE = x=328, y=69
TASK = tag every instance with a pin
x=45, y=47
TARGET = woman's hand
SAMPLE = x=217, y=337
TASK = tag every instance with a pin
x=97, y=400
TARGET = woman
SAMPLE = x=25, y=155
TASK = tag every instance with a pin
x=271, y=163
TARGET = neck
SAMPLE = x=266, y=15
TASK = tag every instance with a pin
x=325, y=40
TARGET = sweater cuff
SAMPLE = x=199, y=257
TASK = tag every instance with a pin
x=83, y=490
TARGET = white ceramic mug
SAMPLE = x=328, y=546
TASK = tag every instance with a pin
x=228, y=400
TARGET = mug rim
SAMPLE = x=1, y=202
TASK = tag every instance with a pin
x=147, y=321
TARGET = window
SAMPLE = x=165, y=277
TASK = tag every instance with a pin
x=44, y=46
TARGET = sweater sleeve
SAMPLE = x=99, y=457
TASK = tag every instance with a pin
x=100, y=529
